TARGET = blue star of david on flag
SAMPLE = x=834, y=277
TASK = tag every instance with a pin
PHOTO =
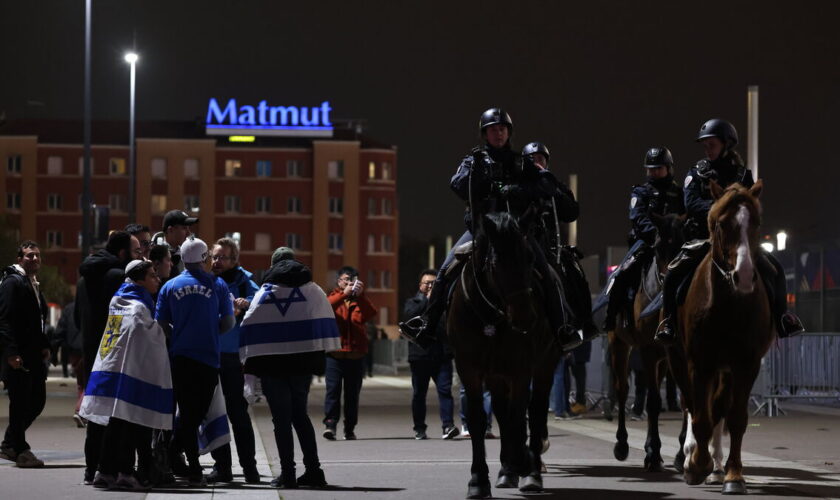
x=282, y=304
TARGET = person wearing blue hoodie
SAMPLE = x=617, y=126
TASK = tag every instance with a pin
x=194, y=308
x=225, y=257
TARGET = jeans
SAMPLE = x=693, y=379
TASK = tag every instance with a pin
x=347, y=373
x=27, y=396
x=194, y=384
x=441, y=372
x=233, y=382
x=488, y=408
x=559, y=398
x=287, y=398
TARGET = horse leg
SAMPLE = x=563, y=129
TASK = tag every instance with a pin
x=679, y=459
x=700, y=461
x=736, y=422
x=620, y=355
x=537, y=421
x=716, y=447
x=479, y=484
x=653, y=445
x=677, y=363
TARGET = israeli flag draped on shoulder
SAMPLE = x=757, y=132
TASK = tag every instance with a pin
x=287, y=320
x=131, y=378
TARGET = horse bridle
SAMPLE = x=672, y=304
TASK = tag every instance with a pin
x=728, y=275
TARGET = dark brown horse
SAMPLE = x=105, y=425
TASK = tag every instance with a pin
x=725, y=330
x=639, y=332
x=499, y=332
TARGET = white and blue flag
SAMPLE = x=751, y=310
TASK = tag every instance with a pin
x=287, y=320
x=131, y=378
x=214, y=430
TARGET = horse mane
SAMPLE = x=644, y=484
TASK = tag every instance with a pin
x=734, y=195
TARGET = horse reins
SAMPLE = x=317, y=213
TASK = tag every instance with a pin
x=727, y=275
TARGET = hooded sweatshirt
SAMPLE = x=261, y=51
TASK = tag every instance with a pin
x=102, y=275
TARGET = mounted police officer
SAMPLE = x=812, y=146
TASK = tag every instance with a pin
x=725, y=166
x=491, y=178
x=660, y=195
x=562, y=207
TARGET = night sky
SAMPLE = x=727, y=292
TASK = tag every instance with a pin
x=598, y=83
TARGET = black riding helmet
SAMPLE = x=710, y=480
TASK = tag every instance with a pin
x=722, y=129
x=657, y=157
x=494, y=116
x=536, y=147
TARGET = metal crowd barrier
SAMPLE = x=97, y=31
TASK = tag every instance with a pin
x=806, y=367
x=389, y=356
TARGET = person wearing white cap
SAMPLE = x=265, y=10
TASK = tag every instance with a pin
x=196, y=308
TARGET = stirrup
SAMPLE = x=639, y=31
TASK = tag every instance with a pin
x=569, y=338
x=411, y=329
x=665, y=332
x=790, y=325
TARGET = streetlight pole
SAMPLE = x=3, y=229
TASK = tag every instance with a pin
x=131, y=58
x=86, y=131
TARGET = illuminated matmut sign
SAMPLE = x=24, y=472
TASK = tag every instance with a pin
x=263, y=119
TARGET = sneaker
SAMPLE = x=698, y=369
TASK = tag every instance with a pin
x=349, y=436
x=285, y=481
x=8, y=453
x=329, y=433
x=579, y=409
x=464, y=431
x=80, y=422
x=197, y=480
x=636, y=417
x=26, y=460
x=88, y=479
x=489, y=434
x=220, y=476
x=450, y=432
x=104, y=481
x=128, y=482
x=252, y=475
x=420, y=435
x=312, y=478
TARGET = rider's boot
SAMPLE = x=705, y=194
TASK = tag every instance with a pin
x=421, y=329
x=679, y=268
x=787, y=323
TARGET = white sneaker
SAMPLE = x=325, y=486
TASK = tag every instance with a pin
x=464, y=431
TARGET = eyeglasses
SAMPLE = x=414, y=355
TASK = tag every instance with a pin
x=222, y=258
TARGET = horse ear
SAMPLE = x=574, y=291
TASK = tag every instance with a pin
x=717, y=191
x=755, y=190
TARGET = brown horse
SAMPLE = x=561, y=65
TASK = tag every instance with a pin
x=498, y=329
x=639, y=332
x=725, y=330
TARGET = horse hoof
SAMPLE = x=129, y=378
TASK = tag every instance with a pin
x=693, y=479
x=507, y=481
x=546, y=444
x=621, y=450
x=679, y=460
x=478, y=488
x=716, y=477
x=653, y=465
x=531, y=483
x=734, y=488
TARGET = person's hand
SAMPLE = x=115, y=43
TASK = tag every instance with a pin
x=16, y=362
x=45, y=354
x=358, y=288
x=241, y=303
x=348, y=290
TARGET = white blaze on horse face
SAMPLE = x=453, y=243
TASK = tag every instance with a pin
x=743, y=260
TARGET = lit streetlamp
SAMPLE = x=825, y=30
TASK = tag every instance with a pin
x=131, y=58
x=781, y=240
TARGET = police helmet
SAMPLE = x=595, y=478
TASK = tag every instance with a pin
x=536, y=147
x=721, y=129
x=657, y=157
x=495, y=116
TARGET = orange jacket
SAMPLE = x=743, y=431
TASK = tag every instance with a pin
x=351, y=314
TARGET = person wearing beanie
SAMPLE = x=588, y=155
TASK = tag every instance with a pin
x=282, y=253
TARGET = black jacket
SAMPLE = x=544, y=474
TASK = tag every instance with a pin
x=102, y=274
x=726, y=170
x=657, y=196
x=438, y=351
x=287, y=273
x=67, y=333
x=22, y=320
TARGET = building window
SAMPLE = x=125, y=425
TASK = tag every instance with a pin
x=235, y=236
x=386, y=171
x=191, y=203
x=371, y=279
x=335, y=169
x=159, y=168
x=232, y=204
x=262, y=242
x=233, y=168
x=54, y=164
x=158, y=203
x=372, y=170
x=82, y=166
x=387, y=206
x=336, y=242
x=263, y=204
x=371, y=243
x=53, y=202
x=191, y=168
x=336, y=206
x=13, y=164
x=13, y=201
x=386, y=243
x=53, y=239
x=116, y=166
x=293, y=241
x=293, y=168
x=263, y=168
x=371, y=206
x=117, y=202
x=386, y=280
x=294, y=205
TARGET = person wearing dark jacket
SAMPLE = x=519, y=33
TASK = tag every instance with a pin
x=71, y=338
x=286, y=372
x=102, y=274
x=433, y=362
x=24, y=351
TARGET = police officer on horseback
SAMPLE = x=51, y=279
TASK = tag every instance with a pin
x=724, y=165
x=660, y=195
x=493, y=177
